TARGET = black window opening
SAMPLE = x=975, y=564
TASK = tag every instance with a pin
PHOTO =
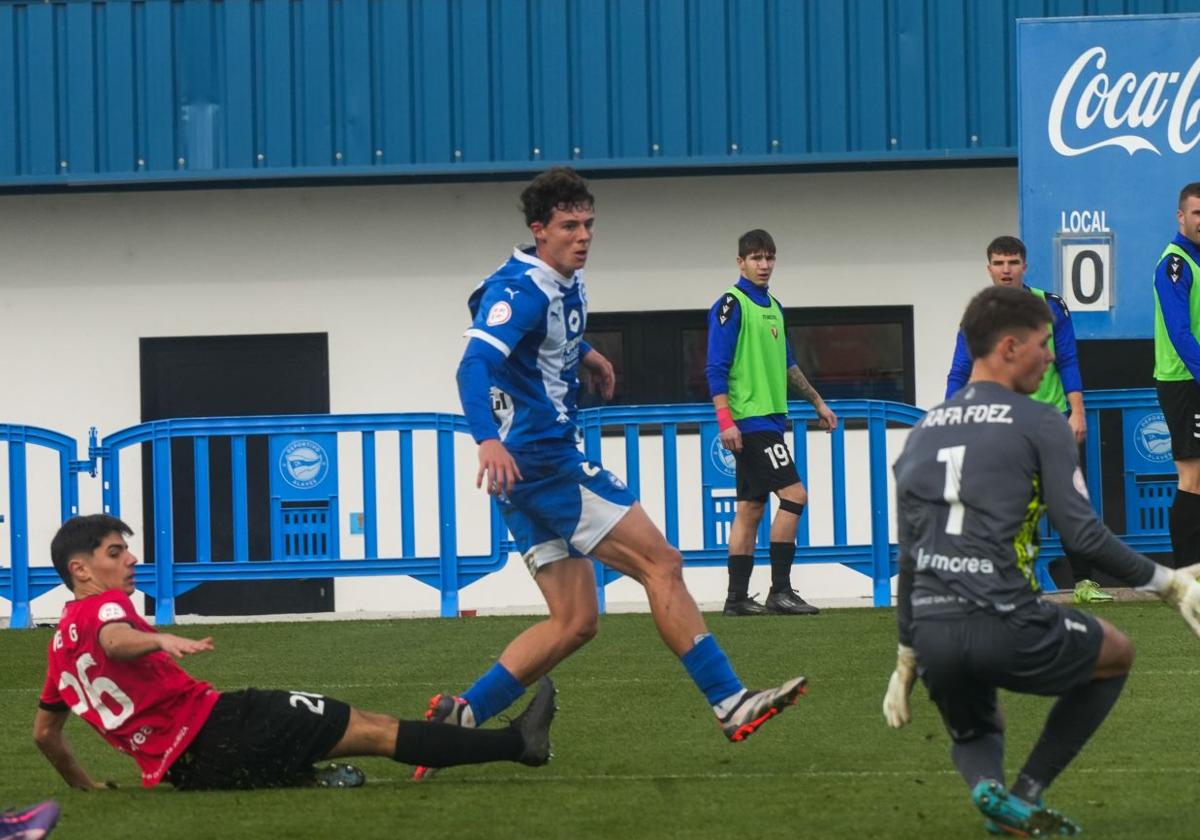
x=847, y=352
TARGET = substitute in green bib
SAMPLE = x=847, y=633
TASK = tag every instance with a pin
x=1061, y=385
x=750, y=368
x=1177, y=368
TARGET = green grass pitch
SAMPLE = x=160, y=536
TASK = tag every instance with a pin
x=637, y=753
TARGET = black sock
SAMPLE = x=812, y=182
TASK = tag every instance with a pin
x=439, y=745
x=1072, y=720
x=1185, y=528
x=980, y=758
x=740, y=567
x=782, y=555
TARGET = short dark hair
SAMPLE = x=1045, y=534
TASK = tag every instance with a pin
x=754, y=242
x=1006, y=245
x=998, y=311
x=82, y=535
x=558, y=188
x=1191, y=190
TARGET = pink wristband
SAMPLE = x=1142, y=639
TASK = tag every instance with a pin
x=724, y=419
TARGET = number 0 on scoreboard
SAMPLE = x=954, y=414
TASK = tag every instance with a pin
x=1085, y=272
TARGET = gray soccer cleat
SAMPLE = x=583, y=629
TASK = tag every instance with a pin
x=450, y=710
x=757, y=707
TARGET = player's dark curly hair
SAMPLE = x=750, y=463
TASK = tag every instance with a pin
x=998, y=311
x=558, y=188
x=755, y=241
x=82, y=535
x=1006, y=245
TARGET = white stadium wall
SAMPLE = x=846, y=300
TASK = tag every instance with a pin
x=386, y=270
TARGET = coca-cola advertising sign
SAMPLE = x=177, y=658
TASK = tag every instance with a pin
x=1108, y=117
x=1097, y=105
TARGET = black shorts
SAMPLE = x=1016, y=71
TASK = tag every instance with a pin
x=1180, y=402
x=1047, y=649
x=257, y=739
x=764, y=465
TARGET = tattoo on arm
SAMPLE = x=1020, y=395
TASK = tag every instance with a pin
x=800, y=385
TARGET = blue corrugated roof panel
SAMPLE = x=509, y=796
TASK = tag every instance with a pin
x=134, y=91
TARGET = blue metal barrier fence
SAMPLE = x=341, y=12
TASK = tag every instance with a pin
x=19, y=582
x=304, y=504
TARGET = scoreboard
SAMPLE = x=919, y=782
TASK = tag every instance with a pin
x=1108, y=132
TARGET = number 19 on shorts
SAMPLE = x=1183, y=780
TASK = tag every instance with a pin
x=779, y=455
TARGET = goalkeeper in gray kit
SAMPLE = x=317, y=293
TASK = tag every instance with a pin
x=972, y=483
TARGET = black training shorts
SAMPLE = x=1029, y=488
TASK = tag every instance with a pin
x=764, y=465
x=1045, y=649
x=1180, y=402
x=256, y=739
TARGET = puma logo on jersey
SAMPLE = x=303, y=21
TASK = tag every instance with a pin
x=512, y=293
x=1077, y=626
x=590, y=470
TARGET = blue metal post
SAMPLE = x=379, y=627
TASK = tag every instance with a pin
x=881, y=567
x=670, y=442
x=370, y=529
x=241, y=524
x=633, y=458
x=1092, y=456
x=110, y=482
x=447, y=523
x=800, y=453
x=407, y=517
x=203, y=501
x=18, y=535
x=164, y=540
x=838, y=454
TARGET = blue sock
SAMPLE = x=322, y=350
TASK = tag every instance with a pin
x=709, y=668
x=492, y=693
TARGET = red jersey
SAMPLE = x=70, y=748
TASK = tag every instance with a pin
x=148, y=707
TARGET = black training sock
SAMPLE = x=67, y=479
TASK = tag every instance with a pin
x=1072, y=720
x=740, y=567
x=1185, y=528
x=980, y=758
x=439, y=745
x=782, y=555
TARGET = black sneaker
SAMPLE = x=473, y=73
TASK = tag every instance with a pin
x=337, y=775
x=744, y=606
x=533, y=725
x=789, y=602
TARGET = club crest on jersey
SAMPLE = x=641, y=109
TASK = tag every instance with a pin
x=499, y=314
x=573, y=321
x=111, y=612
x=774, y=332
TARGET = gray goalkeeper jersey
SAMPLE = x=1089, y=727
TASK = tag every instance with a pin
x=972, y=483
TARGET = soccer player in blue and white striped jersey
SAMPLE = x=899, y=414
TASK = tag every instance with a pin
x=518, y=380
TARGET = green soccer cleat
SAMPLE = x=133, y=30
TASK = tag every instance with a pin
x=1007, y=813
x=1089, y=592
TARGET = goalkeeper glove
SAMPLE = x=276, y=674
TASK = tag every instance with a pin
x=1182, y=592
x=895, y=701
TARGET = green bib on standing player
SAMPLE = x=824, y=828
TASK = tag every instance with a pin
x=758, y=375
x=1168, y=367
x=1050, y=389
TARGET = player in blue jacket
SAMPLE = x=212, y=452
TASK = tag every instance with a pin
x=1177, y=368
x=1062, y=384
x=518, y=381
